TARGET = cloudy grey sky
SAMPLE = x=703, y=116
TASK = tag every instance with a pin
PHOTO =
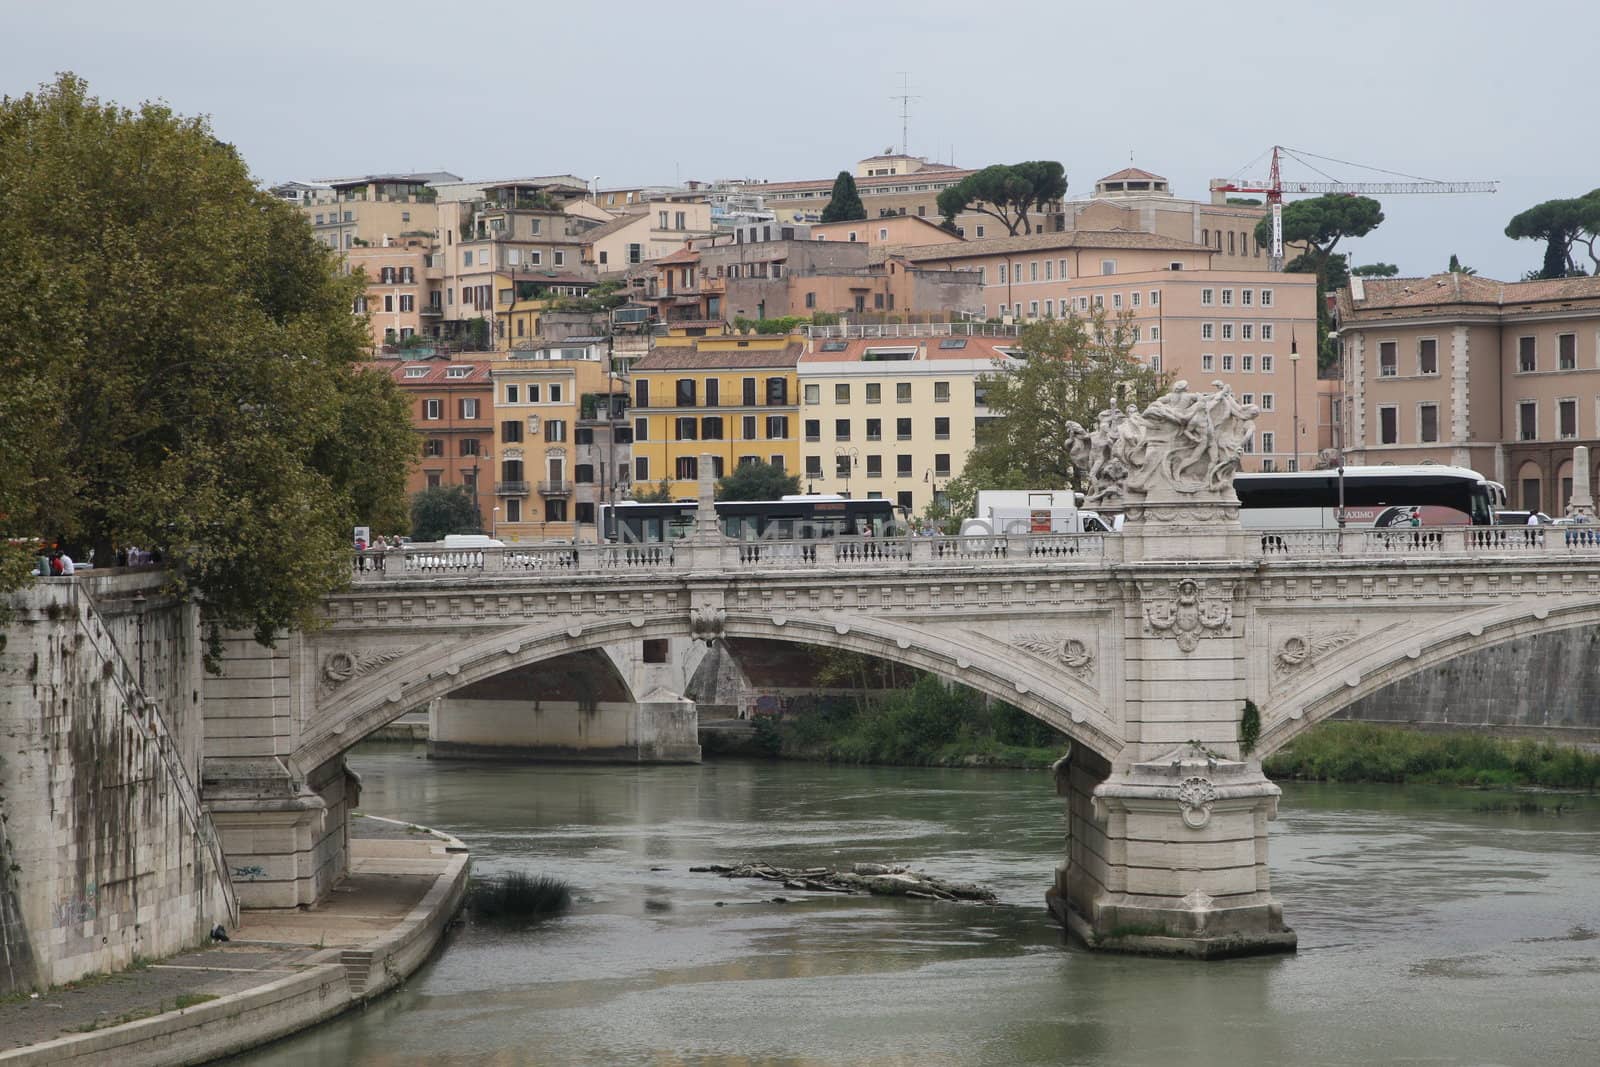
x=637, y=91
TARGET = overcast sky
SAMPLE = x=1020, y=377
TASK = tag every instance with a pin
x=655, y=92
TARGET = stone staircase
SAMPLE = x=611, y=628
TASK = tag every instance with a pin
x=357, y=965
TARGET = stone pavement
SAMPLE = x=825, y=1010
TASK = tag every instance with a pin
x=392, y=866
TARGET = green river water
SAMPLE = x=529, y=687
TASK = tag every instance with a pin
x=1431, y=931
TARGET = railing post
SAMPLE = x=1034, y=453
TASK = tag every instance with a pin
x=921, y=550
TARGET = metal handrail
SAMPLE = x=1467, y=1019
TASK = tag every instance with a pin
x=158, y=730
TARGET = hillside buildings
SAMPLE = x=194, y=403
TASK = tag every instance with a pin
x=1496, y=376
x=452, y=404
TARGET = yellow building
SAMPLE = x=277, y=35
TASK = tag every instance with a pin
x=892, y=418
x=735, y=398
x=539, y=447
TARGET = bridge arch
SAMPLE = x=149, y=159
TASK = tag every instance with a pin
x=1384, y=657
x=1056, y=698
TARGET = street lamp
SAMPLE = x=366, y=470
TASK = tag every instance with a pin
x=494, y=521
x=854, y=456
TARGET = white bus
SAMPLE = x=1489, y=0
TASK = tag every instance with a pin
x=1367, y=497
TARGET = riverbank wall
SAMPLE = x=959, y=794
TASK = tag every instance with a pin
x=328, y=982
x=106, y=855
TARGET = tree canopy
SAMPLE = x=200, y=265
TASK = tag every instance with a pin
x=845, y=204
x=444, y=509
x=1070, y=370
x=1379, y=270
x=1560, y=224
x=1317, y=226
x=661, y=494
x=181, y=368
x=757, y=481
x=1455, y=266
x=1006, y=192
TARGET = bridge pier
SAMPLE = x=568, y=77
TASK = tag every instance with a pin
x=1169, y=857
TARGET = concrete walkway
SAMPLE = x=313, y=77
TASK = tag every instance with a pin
x=281, y=972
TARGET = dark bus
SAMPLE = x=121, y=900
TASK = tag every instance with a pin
x=806, y=517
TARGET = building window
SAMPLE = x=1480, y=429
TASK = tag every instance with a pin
x=555, y=431
x=1388, y=425
x=747, y=428
x=941, y=465
x=1527, y=420
x=1268, y=441
x=1207, y=297
x=1247, y=363
x=1227, y=331
x=688, y=468
x=1266, y=298
x=686, y=392
x=941, y=428
x=1268, y=402
x=874, y=392
x=813, y=466
x=777, y=392
x=641, y=468
x=1388, y=359
x=1247, y=331
x=1527, y=358
x=1427, y=422
x=841, y=466
x=874, y=466
x=811, y=300
x=941, y=392
x=686, y=429
x=813, y=394
x=748, y=393
x=841, y=429
x=902, y=392
x=469, y=446
x=1567, y=351
x=777, y=427
x=902, y=466
x=1266, y=331
x=902, y=429
x=813, y=429
x=433, y=409
x=711, y=428
x=1266, y=364
x=1207, y=361
x=635, y=253
x=1227, y=362
x=841, y=393
x=433, y=447
x=874, y=429
x=1567, y=412
x=1428, y=356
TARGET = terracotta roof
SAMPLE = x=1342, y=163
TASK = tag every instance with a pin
x=685, y=254
x=664, y=357
x=1455, y=289
x=438, y=371
x=1038, y=242
x=928, y=348
x=1134, y=174
x=605, y=229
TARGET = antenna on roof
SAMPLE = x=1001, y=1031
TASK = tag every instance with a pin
x=905, y=99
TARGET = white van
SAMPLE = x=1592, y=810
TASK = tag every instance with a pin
x=1038, y=511
x=472, y=541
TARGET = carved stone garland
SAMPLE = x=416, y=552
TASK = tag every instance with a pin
x=1069, y=652
x=1186, y=618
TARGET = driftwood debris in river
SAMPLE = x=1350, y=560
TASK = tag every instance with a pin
x=881, y=879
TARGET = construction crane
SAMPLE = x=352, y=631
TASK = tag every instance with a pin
x=1275, y=187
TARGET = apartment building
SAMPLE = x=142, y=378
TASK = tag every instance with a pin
x=542, y=398
x=646, y=232
x=890, y=184
x=732, y=397
x=890, y=418
x=402, y=297
x=900, y=231
x=372, y=210
x=765, y=271
x=1138, y=200
x=452, y=410
x=1496, y=376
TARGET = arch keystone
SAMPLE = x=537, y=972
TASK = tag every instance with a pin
x=1476, y=630
x=394, y=697
x=841, y=628
x=903, y=643
x=1022, y=687
x=574, y=631
x=779, y=620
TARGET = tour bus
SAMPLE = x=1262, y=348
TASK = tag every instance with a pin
x=1426, y=495
x=804, y=516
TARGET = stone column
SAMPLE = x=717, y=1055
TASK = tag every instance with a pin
x=1582, y=504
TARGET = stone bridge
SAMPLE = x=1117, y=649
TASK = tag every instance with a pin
x=1145, y=648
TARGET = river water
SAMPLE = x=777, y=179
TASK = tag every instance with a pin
x=1432, y=930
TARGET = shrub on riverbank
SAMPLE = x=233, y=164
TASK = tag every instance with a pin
x=930, y=724
x=1364, y=752
x=518, y=898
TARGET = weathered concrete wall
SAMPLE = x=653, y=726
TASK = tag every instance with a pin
x=1541, y=685
x=660, y=731
x=107, y=854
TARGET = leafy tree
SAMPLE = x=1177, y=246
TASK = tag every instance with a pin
x=757, y=481
x=1376, y=270
x=444, y=509
x=182, y=370
x=845, y=204
x=1005, y=192
x=1317, y=226
x=1560, y=224
x=1071, y=369
x=1455, y=266
x=661, y=494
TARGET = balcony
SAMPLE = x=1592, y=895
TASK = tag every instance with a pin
x=562, y=488
x=431, y=311
x=510, y=488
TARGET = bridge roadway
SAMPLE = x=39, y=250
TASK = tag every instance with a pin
x=1145, y=648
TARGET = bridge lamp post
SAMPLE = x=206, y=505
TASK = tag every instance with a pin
x=1294, y=364
x=854, y=457
x=494, y=521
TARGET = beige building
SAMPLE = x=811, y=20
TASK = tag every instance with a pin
x=889, y=418
x=402, y=299
x=544, y=439
x=1134, y=199
x=654, y=230
x=377, y=209
x=1501, y=377
x=896, y=232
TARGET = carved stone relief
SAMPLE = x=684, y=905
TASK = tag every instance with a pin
x=1191, y=613
x=1075, y=655
x=706, y=623
x=341, y=667
x=1299, y=650
x=1195, y=797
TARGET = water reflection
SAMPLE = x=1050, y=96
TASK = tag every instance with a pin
x=1429, y=932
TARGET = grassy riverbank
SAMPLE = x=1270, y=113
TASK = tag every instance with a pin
x=928, y=725
x=1362, y=752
